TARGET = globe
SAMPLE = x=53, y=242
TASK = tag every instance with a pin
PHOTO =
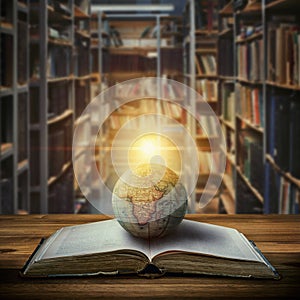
x=149, y=201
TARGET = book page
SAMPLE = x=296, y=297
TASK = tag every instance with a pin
x=202, y=238
x=98, y=237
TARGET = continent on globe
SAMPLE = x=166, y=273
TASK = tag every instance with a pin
x=149, y=201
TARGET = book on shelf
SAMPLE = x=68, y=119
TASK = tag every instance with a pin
x=7, y=199
x=295, y=138
x=283, y=51
x=250, y=60
x=208, y=89
x=250, y=105
x=282, y=196
x=193, y=248
x=250, y=159
x=205, y=64
x=279, y=128
x=247, y=202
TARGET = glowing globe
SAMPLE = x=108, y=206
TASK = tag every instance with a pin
x=149, y=201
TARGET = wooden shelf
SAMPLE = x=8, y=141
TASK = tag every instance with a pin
x=227, y=10
x=6, y=27
x=282, y=5
x=254, y=7
x=226, y=31
x=249, y=38
x=250, y=124
x=59, y=42
x=283, y=86
x=251, y=188
x=228, y=202
x=208, y=50
x=79, y=13
x=228, y=124
x=5, y=91
x=286, y=175
x=247, y=81
x=227, y=181
x=83, y=33
x=82, y=120
x=22, y=166
x=66, y=114
x=206, y=32
x=6, y=150
x=64, y=168
x=57, y=79
x=22, y=7
x=212, y=76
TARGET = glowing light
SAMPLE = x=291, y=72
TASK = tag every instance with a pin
x=154, y=148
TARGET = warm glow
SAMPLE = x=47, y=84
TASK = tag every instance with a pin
x=154, y=148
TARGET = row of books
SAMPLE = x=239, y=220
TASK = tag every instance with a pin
x=284, y=53
x=128, y=63
x=250, y=104
x=82, y=96
x=206, y=15
x=59, y=146
x=228, y=105
x=225, y=67
x=6, y=78
x=58, y=97
x=282, y=196
x=82, y=53
x=284, y=131
x=205, y=64
x=250, y=159
x=230, y=139
x=61, y=192
x=208, y=162
x=59, y=61
x=208, y=89
x=247, y=203
x=250, y=60
x=207, y=126
x=145, y=88
x=6, y=192
x=6, y=122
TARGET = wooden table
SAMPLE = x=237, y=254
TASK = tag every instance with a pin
x=277, y=236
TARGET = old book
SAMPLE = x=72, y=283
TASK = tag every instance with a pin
x=106, y=248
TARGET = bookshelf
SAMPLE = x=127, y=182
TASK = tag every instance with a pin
x=262, y=173
x=200, y=70
x=60, y=78
x=14, y=108
x=282, y=101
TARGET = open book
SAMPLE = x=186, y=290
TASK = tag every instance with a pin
x=106, y=248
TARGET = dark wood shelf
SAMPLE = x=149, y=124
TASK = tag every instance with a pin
x=250, y=186
x=250, y=38
x=286, y=175
x=283, y=86
x=6, y=150
x=279, y=5
x=250, y=124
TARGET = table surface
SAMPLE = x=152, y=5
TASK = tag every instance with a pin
x=277, y=236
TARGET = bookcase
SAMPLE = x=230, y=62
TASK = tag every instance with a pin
x=226, y=101
x=60, y=89
x=259, y=106
x=282, y=91
x=14, y=107
x=257, y=79
x=200, y=68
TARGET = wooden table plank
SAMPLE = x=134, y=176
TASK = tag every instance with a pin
x=278, y=236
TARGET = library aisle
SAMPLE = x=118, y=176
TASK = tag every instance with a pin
x=241, y=57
